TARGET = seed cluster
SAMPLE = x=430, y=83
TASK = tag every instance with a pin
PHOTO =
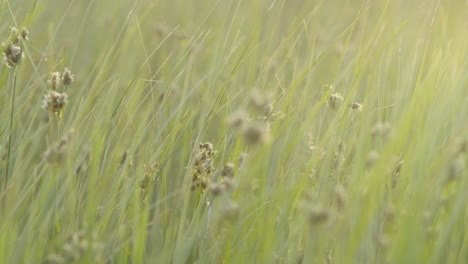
x=226, y=183
x=255, y=131
x=79, y=246
x=335, y=100
x=53, y=101
x=203, y=168
x=148, y=178
x=56, y=153
x=13, y=48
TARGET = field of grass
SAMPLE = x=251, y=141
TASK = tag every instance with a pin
x=220, y=131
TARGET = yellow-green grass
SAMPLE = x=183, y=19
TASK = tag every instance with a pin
x=154, y=79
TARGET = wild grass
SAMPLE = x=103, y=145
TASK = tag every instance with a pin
x=235, y=132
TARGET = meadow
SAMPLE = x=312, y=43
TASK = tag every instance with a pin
x=221, y=131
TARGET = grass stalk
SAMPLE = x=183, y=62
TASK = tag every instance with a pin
x=10, y=128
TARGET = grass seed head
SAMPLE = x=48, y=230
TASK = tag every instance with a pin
x=55, y=102
x=229, y=184
x=12, y=54
x=238, y=119
x=15, y=35
x=203, y=168
x=356, y=106
x=335, y=100
x=54, y=81
x=228, y=170
x=68, y=77
x=318, y=215
x=12, y=48
x=25, y=34
x=79, y=246
x=56, y=153
x=261, y=102
x=216, y=189
x=256, y=133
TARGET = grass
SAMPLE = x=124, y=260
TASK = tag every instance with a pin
x=290, y=173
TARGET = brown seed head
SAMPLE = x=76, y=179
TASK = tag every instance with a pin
x=54, y=81
x=356, y=106
x=54, y=101
x=25, y=34
x=12, y=54
x=228, y=170
x=68, y=77
x=256, y=133
x=238, y=119
x=216, y=189
x=318, y=215
x=261, y=102
x=335, y=100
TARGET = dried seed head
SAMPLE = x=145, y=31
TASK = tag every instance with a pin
x=12, y=54
x=12, y=49
x=318, y=215
x=54, y=81
x=356, y=106
x=14, y=36
x=238, y=119
x=68, y=77
x=256, y=133
x=79, y=245
x=203, y=168
x=56, y=153
x=335, y=100
x=13, y=31
x=228, y=170
x=207, y=148
x=228, y=183
x=55, y=102
x=216, y=189
x=25, y=34
x=261, y=102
